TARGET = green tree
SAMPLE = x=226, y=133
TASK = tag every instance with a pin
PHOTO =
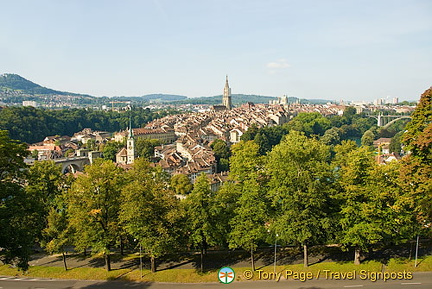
x=331, y=136
x=200, y=216
x=58, y=234
x=149, y=210
x=145, y=147
x=417, y=166
x=91, y=145
x=35, y=154
x=94, y=204
x=110, y=150
x=395, y=143
x=418, y=135
x=373, y=207
x=181, y=184
x=368, y=138
x=349, y=114
x=45, y=185
x=357, y=230
x=312, y=123
x=250, y=209
x=222, y=153
x=250, y=215
x=16, y=208
x=300, y=190
x=250, y=133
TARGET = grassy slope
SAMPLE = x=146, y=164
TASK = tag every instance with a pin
x=192, y=276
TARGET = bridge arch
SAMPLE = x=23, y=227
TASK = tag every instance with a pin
x=71, y=168
x=395, y=120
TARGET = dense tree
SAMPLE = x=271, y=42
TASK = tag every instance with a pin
x=110, y=150
x=312, y=123
x=349, y=114
x=300, y=190
x=145, y=147
x=149, y=210
x=331, y=136
x=395, y=143
x=57, y=234
x=181, y=184
x=222, y=154
x=250, y=133
x=358, y=228
x=200, y=223
x=417, y=166
x=373, y=207
x=16, y=209
x=418, y=136
x=31, y=124
x=45, y=183
x=368, y=138
x=93, y=205
x=250, y=208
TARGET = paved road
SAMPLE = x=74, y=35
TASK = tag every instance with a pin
x=420, y=281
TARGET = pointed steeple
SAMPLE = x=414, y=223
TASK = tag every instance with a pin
x=226, y=99
x=130, y=127
x=130, y=145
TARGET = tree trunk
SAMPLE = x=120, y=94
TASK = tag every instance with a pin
x=64, y=261
x=85, y=252
x=202, y=261
x=107, y=261
x=121, y=246
x=357, y=256
x=305, y=256
x=252, y=260
x=205, y=247
x=153, y=264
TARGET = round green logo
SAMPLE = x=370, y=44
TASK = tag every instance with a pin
x=226, y=275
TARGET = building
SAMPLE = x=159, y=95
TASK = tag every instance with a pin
x=130, y=147
x=226, y=99
x=163, y=133
x=29, y=103
x=126, y=156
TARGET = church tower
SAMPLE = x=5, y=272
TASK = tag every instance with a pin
x=130, y=145
x=226, y=99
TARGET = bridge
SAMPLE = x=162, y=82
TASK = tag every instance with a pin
x=386, y=120
x=72, y=165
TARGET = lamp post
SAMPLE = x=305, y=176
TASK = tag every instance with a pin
x=140, y=257
x=416, y=252
x=274, y=269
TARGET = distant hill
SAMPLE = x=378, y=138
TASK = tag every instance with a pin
x=163, y=97
x=19, y=85
x=14, y=89
x=235, y=98
x=238, y=99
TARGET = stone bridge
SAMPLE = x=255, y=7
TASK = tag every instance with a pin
x=72, y=165
x=387, y=120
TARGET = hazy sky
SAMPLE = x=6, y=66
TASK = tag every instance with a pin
x=346, y=49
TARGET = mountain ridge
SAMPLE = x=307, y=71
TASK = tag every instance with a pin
x=15, y=82
x=15, y=89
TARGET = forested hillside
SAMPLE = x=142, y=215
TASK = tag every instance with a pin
x=31, y=125
x=16, y=83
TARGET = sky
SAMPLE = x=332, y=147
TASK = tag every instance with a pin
x=357, y=50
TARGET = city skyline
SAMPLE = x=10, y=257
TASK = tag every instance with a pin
x=331, y=50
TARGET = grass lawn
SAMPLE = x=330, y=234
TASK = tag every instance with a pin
x=193, y=276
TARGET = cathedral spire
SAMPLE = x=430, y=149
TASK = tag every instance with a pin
x=226, y=99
